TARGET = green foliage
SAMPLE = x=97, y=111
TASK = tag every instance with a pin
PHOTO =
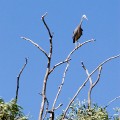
x=11, y=111
x=81, y=111
x=77, y=111
x=116, y=116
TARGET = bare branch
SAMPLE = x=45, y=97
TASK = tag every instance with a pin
x=44, y=15
x=58, y=106
x=47, y=71
x=58, y=64
x=93, y=85
x=112, y=101
x=51, y=114
x=90, y=79
x=47, y=106
x=18, y=78
x=60, y=87
x=35, y=44
x=90, y=89
x=76, y=94
x=46, y=25
x=102, y=64
x=66, y=69
x=80, y=45
x=98, y=78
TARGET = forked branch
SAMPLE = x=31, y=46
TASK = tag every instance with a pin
x=47, y=70
x=66, y=69
x=58, y=64
x=78, y=91
x=92, y=85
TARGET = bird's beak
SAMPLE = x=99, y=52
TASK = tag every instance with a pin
x=86, y=18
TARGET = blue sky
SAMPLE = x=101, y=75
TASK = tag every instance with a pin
x=23, y=18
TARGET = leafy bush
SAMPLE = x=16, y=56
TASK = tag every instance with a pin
x=80, y=111
x=11, y=111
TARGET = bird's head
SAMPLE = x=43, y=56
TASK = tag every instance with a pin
x=84, y=17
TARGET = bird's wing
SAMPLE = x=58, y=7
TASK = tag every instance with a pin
x=74, y=35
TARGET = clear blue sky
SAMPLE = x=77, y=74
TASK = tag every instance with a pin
x=23, y=18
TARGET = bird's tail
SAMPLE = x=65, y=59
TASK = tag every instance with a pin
x=73, y=37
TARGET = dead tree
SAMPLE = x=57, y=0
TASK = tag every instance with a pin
x=44, y=108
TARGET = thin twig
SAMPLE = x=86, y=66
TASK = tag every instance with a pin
x=58, y=64
x=47, y=71
x=35, y=44
x=60, y=87
x=66, y=69
x=90, y=79
x=18, y=79
x=76, y=94
x=58, y=106
x=46, y=25
x=112, y=101
x=98, y=78
x=80, y=45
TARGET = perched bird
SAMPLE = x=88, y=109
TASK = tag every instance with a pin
x=78, y=30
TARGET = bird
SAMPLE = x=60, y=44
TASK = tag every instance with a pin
x=78, y=30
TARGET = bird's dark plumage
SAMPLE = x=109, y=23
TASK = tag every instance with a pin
x=77, y=33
